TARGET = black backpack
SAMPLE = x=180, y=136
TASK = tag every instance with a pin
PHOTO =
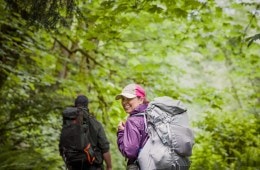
x=75, y=138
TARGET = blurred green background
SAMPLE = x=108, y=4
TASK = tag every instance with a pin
x=204, y=53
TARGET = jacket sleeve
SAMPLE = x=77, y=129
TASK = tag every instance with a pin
x=128, y=140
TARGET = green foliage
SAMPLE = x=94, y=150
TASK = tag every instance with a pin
x=29, y=158
x=195, y=51
x=252, y=39
x=44, y=13
x=226, y=140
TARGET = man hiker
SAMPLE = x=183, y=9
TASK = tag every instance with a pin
x=83, y=142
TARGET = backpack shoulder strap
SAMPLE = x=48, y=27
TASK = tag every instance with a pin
x=139, y=114
x=145, y=120
x=85, y=114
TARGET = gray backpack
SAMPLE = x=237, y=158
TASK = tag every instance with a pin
x=170, y=137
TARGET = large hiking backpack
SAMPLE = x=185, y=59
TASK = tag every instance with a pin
x=170, y=137
x=75, y=142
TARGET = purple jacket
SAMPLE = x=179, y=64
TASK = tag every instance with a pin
x=134, y=136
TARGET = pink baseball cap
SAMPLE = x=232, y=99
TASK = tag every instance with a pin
x=132, y=91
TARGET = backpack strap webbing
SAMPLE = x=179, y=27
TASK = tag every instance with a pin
x=85, y=124
x=145, y=120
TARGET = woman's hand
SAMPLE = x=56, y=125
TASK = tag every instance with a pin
x=121, y=125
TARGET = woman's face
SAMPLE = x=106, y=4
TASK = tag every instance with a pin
x=130, y=104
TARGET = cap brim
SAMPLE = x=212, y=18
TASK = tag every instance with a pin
x=127, y=95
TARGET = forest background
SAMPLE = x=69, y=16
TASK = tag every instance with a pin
x=204, y=53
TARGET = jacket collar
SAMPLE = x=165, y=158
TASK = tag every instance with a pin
x=141, y=108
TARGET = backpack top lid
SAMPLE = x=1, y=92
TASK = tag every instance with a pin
x=70, y=112
x=169, y=105
x=73, y=112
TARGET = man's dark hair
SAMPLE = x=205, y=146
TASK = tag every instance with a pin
x=81, y=101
